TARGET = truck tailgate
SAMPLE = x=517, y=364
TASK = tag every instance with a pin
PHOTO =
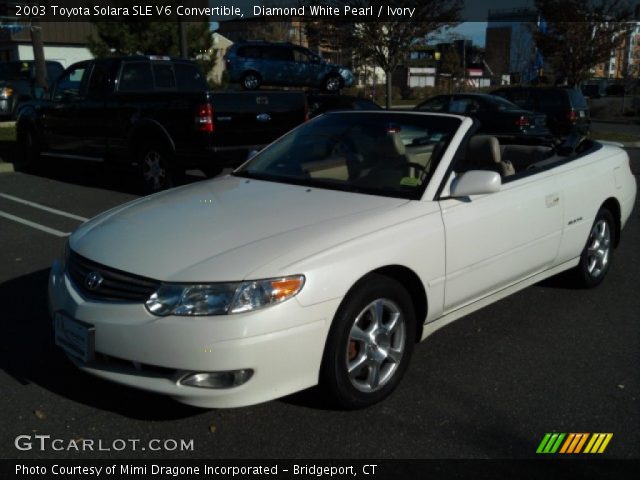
x=255, y=118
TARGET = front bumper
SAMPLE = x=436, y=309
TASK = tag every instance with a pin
x=283, y=345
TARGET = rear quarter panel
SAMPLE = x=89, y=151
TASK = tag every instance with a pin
x=586, y=183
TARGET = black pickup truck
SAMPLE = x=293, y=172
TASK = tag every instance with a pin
x=154, y=113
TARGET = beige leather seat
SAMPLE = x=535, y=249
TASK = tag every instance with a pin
x=483, y=153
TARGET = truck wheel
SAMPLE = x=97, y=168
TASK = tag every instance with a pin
x=29, y=147
x=370, y=343
x=333, y=84
x=155, y=168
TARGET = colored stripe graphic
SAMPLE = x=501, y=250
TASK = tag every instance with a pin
x=550, y=443
x=574, y=442
x=598, y=442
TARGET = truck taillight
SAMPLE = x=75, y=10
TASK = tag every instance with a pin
x=572, y=116
x=523, y=121
x=204, y=118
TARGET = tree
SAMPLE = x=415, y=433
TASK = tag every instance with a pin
x=577, y=35
x=151, y=37
x=387, y=43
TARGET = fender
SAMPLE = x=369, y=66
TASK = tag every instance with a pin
x=148, y=127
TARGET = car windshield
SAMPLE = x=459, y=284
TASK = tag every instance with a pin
x=390, y=154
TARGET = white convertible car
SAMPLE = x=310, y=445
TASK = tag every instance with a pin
x=328, y=255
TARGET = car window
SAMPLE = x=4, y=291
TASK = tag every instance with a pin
x=249, y=51
x=437, y=104
x=301, y=55
x=501, y=103
x=520, y=97
x=374, y=153
x=279, y=53
x=163, y=75
x=550, y=99
x=69, y=85
x=463, y=106
x=136, y=77
x=100, y=80
x=577, y=99
x=189, y=78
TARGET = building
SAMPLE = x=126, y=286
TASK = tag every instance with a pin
x=624, y=61
x=511, y=53
x=65, y=42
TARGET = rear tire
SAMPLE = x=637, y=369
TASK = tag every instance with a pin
x=156, y=170
x=597, y=254
x=370, y=343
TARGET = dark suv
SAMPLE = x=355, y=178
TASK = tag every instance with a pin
x=269, y=63
x=17, y=84
x=566, y=108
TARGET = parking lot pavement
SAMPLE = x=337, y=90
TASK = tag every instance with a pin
x=548, y=359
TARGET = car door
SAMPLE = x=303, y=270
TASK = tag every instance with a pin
x=279, y=67
x=497, y=239
x=62, y=123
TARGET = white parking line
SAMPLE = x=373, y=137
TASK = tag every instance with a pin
x=43, y=207
x=31, y=224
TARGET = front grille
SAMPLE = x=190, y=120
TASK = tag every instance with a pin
x=116, y=284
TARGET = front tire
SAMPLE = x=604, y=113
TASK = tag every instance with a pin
x=596, y=256
x=370, y=343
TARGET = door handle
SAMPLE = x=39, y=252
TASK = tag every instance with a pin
x=552, y=200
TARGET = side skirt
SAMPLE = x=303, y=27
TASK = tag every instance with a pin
x=435, y=325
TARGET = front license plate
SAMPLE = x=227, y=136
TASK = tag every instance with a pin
x=75, y=337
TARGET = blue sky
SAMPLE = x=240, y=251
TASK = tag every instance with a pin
x=473, y=30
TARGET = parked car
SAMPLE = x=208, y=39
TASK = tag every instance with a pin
x=253, y=64
x=154, y=113
x=495, y=114
x=17, y=84
x=566, y=108
x=328, y=255
x=321, y=103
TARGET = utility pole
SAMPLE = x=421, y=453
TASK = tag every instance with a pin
x=38, y=54
x=184, y=53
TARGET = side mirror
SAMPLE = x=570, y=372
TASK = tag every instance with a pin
x=252, y=154
x=475, y=182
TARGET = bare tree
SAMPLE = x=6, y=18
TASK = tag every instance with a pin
x=387, y=43
x=577, y=35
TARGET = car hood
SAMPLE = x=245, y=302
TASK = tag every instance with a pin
x=223, y=229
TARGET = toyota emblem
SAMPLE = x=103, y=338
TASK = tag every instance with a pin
x=93, y=280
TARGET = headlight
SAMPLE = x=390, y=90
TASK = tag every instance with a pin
x=222, y=298
x=6, y=92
